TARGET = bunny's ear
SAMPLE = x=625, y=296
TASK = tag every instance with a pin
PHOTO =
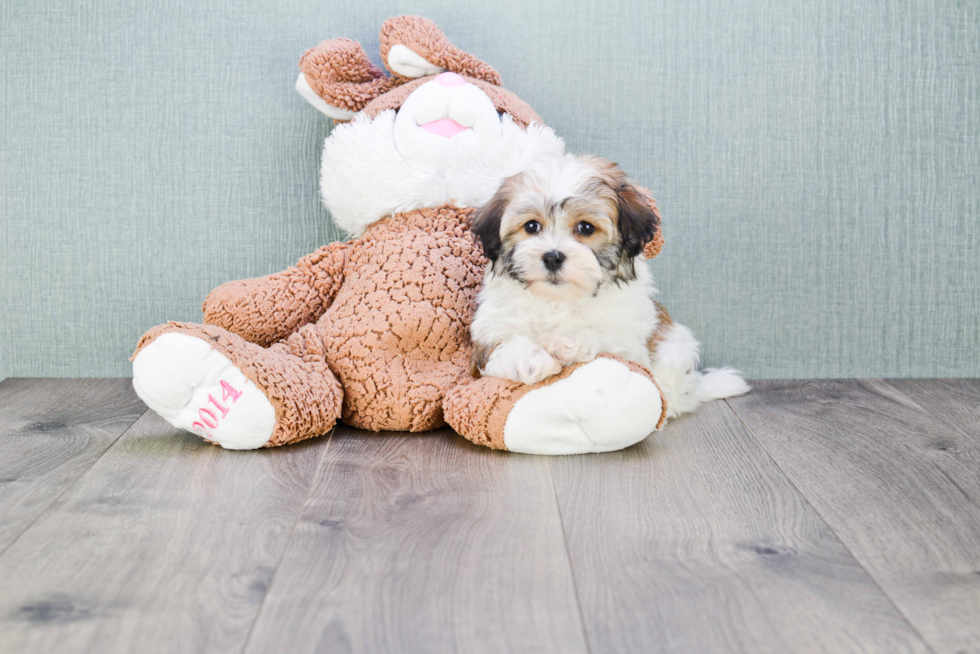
x=305, y=90
x=412, y=46
x=338, y=78
x=404, y=62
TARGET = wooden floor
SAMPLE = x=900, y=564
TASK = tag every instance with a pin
x=819, y=516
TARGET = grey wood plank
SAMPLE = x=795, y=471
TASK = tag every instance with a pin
x=167, y=544
x=900, y=489
x=954, y=402
x=423, y=543
x=694, y=541
x=51, y=431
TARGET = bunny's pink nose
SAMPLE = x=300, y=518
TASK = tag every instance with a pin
x=450, y=79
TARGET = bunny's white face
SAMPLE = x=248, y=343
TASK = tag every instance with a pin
x=445, y=124
x=446, y=143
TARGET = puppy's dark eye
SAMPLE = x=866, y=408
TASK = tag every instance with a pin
x=585, y=228
x=532, y=227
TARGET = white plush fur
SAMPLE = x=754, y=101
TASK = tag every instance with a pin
x=179, y=376
x=466, y=104
x=374, y=168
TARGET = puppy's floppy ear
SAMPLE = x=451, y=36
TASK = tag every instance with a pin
x=639, y=219
x=486, y=224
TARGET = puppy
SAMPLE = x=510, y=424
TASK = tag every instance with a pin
x=566, y=280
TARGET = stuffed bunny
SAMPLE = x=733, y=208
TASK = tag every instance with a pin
x=374, y=331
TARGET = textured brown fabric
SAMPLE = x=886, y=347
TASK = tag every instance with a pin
x=652, y=248
x=388, y=314
x=339, y=71
x=267, y=309
x=397, y=334
x=424, y=38
x=502, y=99
x=379, y=334
x=478, y=411
x=293, y=375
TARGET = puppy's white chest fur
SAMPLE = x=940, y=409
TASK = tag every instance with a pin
x=618, y=319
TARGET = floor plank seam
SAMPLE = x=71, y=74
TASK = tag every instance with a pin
x=292, y=530
x=73, y=483
x=568, y=557
x=806, y=499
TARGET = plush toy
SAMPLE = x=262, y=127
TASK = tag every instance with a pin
x=374, y=331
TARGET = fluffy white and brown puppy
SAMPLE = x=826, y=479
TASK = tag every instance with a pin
x=567, y=281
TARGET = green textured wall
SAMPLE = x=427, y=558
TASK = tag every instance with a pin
x=817, y=164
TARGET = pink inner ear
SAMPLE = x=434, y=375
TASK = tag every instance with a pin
x=444, y=127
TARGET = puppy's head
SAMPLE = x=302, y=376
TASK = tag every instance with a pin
x=566, y=226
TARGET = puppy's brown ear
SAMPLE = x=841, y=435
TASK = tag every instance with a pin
x=486, y=223
x=639, y=219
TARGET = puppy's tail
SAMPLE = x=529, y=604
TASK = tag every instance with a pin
x=675, y=367
x=719, y=383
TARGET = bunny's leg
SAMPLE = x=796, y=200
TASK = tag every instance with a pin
x=604, y=405
x=212, y=382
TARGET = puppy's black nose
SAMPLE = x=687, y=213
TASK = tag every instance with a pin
x=553, y=260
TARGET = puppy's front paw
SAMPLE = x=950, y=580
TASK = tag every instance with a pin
x=536, y=367
x=523, y=361
x=569, y=351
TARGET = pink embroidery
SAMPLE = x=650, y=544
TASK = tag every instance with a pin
x=210, y=423
x=228, y=392
x=222, y=409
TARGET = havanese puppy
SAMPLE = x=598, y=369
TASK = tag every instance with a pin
x=567, y=281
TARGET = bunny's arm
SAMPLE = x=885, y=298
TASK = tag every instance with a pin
x=267, y=309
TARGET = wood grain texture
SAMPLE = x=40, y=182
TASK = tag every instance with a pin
x=424, y=544
x=899, y=487
x=953, y=402
x=694, y=541
x=51, y=431
x=167, y=544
